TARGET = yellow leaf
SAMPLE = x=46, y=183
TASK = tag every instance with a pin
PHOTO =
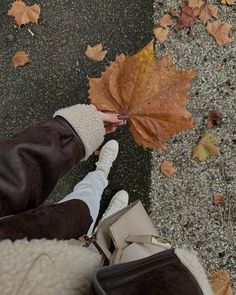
x=206, y=147
x=96, y=52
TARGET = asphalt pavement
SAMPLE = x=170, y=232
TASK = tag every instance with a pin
x=57, y=75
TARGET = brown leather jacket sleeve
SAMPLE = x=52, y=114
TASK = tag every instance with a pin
x=32, y=163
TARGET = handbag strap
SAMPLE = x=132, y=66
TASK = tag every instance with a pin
x=149, y=239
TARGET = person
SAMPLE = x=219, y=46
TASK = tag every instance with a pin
x=39, y=248
x=31, y=165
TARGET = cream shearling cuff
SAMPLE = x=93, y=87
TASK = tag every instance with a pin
x=87, y=124
x=189, y=258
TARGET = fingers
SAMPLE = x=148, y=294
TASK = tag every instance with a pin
x=111, y=118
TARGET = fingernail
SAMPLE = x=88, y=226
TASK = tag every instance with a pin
x=122, y=117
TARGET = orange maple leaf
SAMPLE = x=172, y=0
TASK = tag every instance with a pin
x=168, y=168
x=149, y=91
x=166, y=21
x=20, y=59
x=228, y=2
x=207, y=11
x=161, y=34
x=220, y=32
x=220, y=282
x=24, y=14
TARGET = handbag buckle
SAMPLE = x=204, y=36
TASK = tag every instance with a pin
x=87, y=240
x=159, y=240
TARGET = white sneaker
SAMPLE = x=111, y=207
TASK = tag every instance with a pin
x=119, y=201
x=107, y=156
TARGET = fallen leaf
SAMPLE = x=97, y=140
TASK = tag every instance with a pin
x=220, y=282
x=205, y=147
x=186, y=17
x=24, y=14
x=213, y=9
x=96, y=52
x=214, y=118
x=149, y=91
x=195, y=3
x=228, y=2
x=208, y=11
x=161, y=34
x=218, y=199
x=219, y=30
x=168, y=168
x=20, y=59
x=166, y=21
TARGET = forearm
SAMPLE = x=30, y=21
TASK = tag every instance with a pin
x=32, y=162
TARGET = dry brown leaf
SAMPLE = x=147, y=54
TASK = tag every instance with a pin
x=218, y=199
x=166, y=21
x=220, y=282
x=205, y=147
x=195, y=3
x=24, y=14
x=96, y=52
x=161, y=34
x=214, y=118
x=186, y=17
x=208, y=11
x=228, y=2
x=149, y=91
x=220, y=32
x=20, y=59
x=168, y=168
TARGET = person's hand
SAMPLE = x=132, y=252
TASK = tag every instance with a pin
x=111, y=121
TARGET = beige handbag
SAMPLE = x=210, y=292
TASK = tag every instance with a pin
x=127, y=235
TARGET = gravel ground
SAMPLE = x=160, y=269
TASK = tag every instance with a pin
x=181, y=206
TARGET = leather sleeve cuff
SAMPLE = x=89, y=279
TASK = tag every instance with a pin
x=87, y=124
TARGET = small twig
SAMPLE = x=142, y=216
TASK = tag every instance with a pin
x=221, y=216
x=227, y=192
x=31, y=33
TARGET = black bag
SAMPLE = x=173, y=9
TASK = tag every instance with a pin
x=160, y=274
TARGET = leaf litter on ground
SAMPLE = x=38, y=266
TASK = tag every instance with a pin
x=214, y=118
x=168, y=168
x=96, y=52
x=23, y=13
x=206, y=147
x=20, y=59
x=161, y=34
